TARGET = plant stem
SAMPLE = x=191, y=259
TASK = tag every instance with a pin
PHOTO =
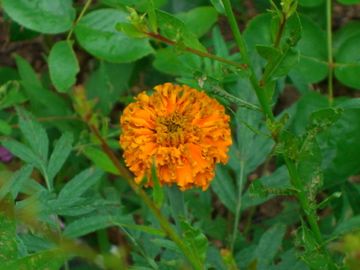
x=238, y=205
x=82, y=12
x=195, y=51
x=164, y=223
x=330, y=52
x=260, y=92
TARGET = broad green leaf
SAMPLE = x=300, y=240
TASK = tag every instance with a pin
x=96, y=33
x=34, y=134
x=8, y=245
x=347, y=226
x=348, y=62
x=346, y=31
x=8, y=74
x=100, y=159
x=63, y=66
x=199, y=19
x=349, y=2
x=269, y=245
x=5, y=128
x=310, y=3
x=177, y=204
x=175, y=29
x=108, y=83
x=290, y=260
x=353, y=195
x=78, y=185
x=49, y=17
x=140, y=5
x=59, y=155
x=158, y=191
x=313, y=53
x=170, y=61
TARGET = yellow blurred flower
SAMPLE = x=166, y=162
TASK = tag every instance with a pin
x=184, y=131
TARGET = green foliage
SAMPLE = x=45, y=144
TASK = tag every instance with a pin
x=289, y=195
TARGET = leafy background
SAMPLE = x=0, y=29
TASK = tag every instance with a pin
x=63, y=202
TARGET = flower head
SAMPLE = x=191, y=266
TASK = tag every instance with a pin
x=182, y=130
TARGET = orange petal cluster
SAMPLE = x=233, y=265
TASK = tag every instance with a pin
x=182, y=130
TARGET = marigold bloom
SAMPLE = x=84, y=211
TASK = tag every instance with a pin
x=184, y=131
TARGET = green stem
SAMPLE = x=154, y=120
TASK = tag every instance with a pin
x=82, y=12
x=238, y=205
x=260, y=92
x=163, y=39
x=330, y=52
x=164, y=223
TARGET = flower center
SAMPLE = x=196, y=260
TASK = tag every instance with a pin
x=170, y=130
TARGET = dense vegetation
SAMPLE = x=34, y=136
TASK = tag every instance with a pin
x=281, y=76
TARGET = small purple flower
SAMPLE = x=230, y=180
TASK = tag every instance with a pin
x=5, y=155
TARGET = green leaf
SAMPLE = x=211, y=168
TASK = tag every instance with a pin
x=269, y=245
x=108, y=83
x=277, y=180
x=34, y=134
x=49, y=259
x=176, y=30
x=96, y=33
x=5, y=128
x=349, y=2
x=279, y=64
x=140, y=5
x=100, y=159
x=23, y=152
x=59, y=155
x=80, y=184
x=348, y=62
x=224, y=188
x=42, y=100
x=158, y=191
x=11, y=94
x=8, y=245
x=310, y=3
x=350, y=29
x=199, y=19
x=63, y=66
x=14, y=185
x=313, y=53
x=93, y=223
x=195, y=240
x=49, y=17
x=170, y=61
x=347, y=226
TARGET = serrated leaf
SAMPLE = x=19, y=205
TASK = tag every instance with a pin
x=16, y=182
x=59, y=155
x=50, y=17
x=63, y=66
x=35, y=134
x=93, y=223
x=78, y=185
x=23, y=152
x=224, y=188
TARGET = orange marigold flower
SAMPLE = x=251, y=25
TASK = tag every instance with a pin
x=184, y=131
